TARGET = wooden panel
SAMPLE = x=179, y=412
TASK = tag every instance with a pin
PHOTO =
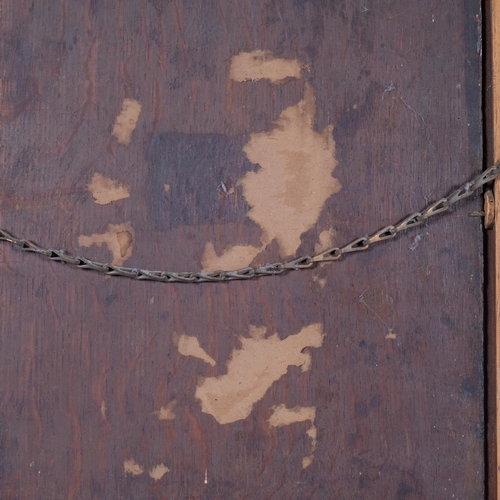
x=492, y=155
x=358, y=114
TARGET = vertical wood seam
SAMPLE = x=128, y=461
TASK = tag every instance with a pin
x=494, y=47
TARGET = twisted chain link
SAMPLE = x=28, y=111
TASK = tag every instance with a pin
x=305, y=262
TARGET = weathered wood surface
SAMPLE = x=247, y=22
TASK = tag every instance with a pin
x=98, y=396
x=492, y=155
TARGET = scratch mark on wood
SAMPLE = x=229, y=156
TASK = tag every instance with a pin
x=413, y=110
x=362, y=301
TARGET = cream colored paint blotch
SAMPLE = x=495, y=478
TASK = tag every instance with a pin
x=119, y=238
x=262, y=64
x=312, y=432
x=158, y=471
x=288, y=192
x=325, y=241
x=106, y=191
x=130, y=466
x=252, y=370
x=232, y=258
x=190, y=346
x=126, y=121
x=286, y=416
x=320, y=281
x=166, y=412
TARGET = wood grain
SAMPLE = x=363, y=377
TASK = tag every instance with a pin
x=492, y=155
x=495, y=40
x=91, y=371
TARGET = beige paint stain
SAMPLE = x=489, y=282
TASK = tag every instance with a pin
x=391, y=336
x=166, y=187
x=119, y=238
x=325, y=241
x=126, y=121
x=106, y=191
x=288, y=192
x=253, y=369
x=262, y=64
x=312, y=433
x=103, y=408
x=166, y=412
x=286, y=416
x=235, y=257
x=158, y=471
x=320, y=281
x=130, y=466
x=190, y=346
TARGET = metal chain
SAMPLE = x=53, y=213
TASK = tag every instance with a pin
x=359, y=244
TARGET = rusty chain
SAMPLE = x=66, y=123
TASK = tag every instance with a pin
x=359, y=244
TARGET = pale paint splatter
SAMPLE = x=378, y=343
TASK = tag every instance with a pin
x=126, y=121
x=166, y=187
x=232, y=258
x=262, y=64
x=320, y=281
x=285, y=416
x=167, y=412
x=119, y=238
x=391, y=336
x=190, y=346
x=288, y=192
x=158, y=471
x=313, y=434
x=253, y=369
x=106, y=191
x=103, y=408
x=325, y=241
x=130, y=466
